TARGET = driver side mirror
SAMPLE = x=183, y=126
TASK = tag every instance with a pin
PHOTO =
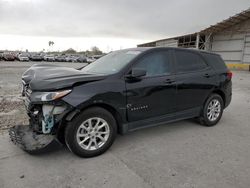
x=136, y=73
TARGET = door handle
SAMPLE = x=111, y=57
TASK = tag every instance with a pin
x=207, y=75
x=169, y=81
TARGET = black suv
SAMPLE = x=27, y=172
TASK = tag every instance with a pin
x=123, y=91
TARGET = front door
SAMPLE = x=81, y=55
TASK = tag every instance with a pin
x=154, y=94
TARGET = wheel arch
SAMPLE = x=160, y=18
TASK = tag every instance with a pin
x=222, y=94
x=218, y=92
x=71, y=115
x=112, y=110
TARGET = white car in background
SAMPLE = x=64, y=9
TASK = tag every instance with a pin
x=90, y=59
x=71, y=58
x=49, y=57
x=23, y=57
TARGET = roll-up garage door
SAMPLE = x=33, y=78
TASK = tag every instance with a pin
x=246, y=54
x=230, y=47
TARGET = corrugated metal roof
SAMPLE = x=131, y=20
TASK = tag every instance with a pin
x=231, y=21
x=154, y=42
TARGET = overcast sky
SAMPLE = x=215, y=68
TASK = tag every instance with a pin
x=109, y=24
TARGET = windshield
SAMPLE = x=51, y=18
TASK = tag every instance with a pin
x=112, y=62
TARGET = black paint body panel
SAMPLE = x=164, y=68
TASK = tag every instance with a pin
x=136, y=103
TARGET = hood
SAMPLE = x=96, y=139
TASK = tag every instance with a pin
x=46, y=77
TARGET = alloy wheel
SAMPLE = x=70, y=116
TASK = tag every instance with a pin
x=213, y=110
x=93, y=133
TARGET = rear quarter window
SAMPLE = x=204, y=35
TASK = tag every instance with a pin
x=215, y=61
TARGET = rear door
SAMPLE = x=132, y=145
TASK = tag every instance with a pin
x=195, y=79
x=154, y=94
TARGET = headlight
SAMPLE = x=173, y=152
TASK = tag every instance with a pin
x=50, y=96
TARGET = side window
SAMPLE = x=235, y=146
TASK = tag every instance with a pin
x=216, y=61
x=156, y=63
x=188, y=61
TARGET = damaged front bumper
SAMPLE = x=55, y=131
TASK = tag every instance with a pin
x=45, y=119
x=24, y=137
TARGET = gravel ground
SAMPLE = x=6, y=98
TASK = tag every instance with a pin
x=179, y=155
x=12, y=111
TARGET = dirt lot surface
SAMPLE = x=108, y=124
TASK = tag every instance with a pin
x=11, y=103
x=182, y=154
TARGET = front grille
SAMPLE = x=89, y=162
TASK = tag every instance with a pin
x=27, y=103
x=28, y=91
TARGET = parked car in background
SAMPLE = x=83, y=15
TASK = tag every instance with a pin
x=23, y=57
x=36, y=57
x=82, y=59
x=71, y=58
x=60, y=58
x=90, y=59
x=49, y=57
x=97, y=56
x=8, y=57
x=16, y=54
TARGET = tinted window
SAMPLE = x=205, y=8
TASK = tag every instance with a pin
x=216, y=61
x=188, y=61
x=156, y=63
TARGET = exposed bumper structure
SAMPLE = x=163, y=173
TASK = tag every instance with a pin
x=32, y=142
x=45, y=118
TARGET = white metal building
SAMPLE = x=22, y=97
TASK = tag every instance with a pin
x=229, y=38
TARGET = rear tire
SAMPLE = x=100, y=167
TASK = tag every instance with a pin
x=91, y=133
x=212, y=110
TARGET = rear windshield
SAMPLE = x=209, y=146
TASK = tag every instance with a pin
x=215, y=61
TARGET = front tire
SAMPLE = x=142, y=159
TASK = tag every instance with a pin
x=91, y=133
x=212, y=110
